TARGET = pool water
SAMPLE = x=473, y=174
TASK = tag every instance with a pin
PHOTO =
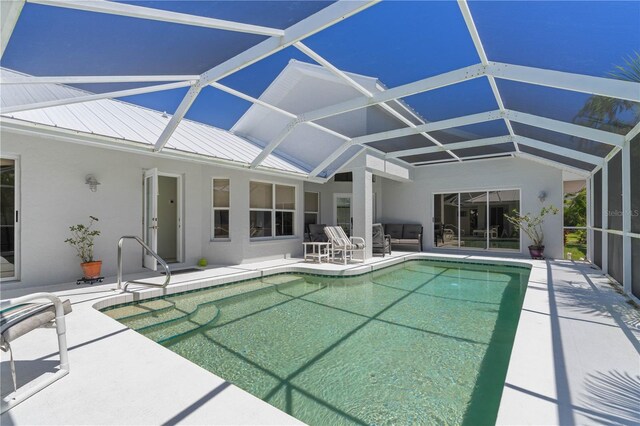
x=422, y=342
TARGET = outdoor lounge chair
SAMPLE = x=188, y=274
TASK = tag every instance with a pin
x=17, y=318
x=380, y=243
x=343, y=245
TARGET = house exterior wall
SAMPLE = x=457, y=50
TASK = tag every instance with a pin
x=240, y=248
x=329, y=189
x=413, y=202
x=54, y=196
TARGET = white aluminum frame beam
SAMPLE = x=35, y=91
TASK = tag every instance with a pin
x=9, y=14
x=342, y=75
x=552, y=163
x=475, y=36
x=140, y=12
x=465, y=159
x=633, y=133
x=286, y=131
x=276, y=109
x=567, y=128
x=424, y=85
x=627, y=258
x=95, y=97
x=320, y=20
x=609, y=87
x=451, y=146
x=428, y=127
x=97, y=79
x=330, y=159
x=559, y=150
x=267, y=150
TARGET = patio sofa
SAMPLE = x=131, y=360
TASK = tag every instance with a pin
x=404, y=234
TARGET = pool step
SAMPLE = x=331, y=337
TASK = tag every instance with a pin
x=203, y=315
x=138, y=310
x=283, y=280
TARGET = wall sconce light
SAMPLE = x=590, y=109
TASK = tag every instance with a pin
x=92, y=182
x=542, y=196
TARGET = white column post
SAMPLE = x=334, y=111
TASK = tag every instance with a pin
x=626, y=217
x=362, y=207
x=605, y=217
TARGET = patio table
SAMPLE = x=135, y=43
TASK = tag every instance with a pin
x=319, y=251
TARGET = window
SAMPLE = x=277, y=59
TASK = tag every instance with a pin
x=475, y=220
x=272, y=207
x=220, y=210
x=311, y=208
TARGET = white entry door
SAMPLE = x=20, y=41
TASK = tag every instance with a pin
x=150, y=217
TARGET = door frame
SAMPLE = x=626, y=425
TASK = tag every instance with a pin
x=149, y=261
x=348, y=195
x=17, y=196
x=180, y=207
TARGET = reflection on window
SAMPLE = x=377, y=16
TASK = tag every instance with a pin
x=260, y=224
x=271, y=207
x=475, y=220
x=220, y=209
x=311, y=208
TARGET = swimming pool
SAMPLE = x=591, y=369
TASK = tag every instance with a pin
x=421, y=342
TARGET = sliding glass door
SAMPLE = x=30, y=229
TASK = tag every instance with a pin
x=502, y=234
x=8, y=219
x=476, y=220
x=473, y=220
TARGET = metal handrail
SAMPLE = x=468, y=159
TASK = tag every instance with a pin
x=153, y=253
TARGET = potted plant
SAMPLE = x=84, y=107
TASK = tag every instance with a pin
x=82, y=237
x=532, y=226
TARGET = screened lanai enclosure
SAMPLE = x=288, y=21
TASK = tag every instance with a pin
x=431, y=83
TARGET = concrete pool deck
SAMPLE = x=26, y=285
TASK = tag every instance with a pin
x=575, y=358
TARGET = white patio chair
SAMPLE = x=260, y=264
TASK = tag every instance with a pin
x=343, y=245
x=17, y=318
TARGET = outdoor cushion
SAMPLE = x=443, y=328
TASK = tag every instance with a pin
x=411, y=232
x=18, y=321
x=394, y=230
x=406, y=241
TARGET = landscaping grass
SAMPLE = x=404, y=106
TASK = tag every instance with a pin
x=573, y=245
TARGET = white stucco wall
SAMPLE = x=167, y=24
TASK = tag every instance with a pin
x=413, y=202
x=329, y=189
x=54, y=196
x=240, y=248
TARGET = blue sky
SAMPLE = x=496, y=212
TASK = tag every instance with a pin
x=396, y=41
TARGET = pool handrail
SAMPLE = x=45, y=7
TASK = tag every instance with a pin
x=153, y=253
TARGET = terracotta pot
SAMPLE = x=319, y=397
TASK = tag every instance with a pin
x=536, y=252
x=91, y=269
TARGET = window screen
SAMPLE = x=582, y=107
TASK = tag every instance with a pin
x=597, y=199
x=614, y=191
x=615, y=257
x=597, y=248
x=635, y=264
x=635, y=187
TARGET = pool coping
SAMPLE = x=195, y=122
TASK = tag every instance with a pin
x=529, y=363
x=140, y=293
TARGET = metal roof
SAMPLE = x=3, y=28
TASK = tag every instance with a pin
x=121, y=120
